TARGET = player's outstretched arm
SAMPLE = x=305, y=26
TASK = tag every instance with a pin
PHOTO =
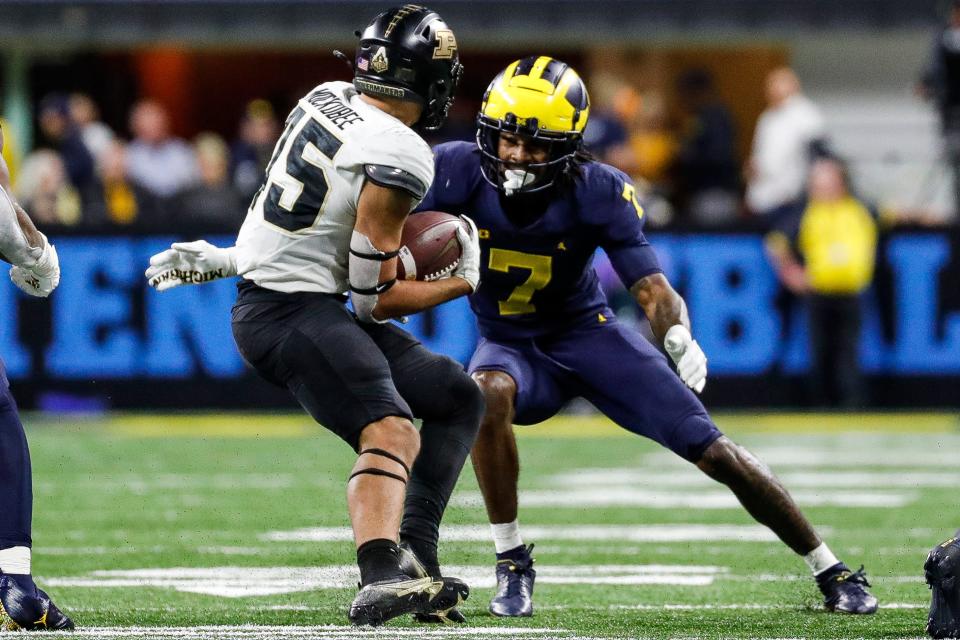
x=376, y=293
x=36, y=267
x=668, y=317
x=194, y=262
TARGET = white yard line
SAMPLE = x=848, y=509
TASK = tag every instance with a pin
x=250, y=632
x=238, y=582
x=774, y=577
x=835, y=452
x=140, y=484
x=625, y=533
x=646, y=478
x=588, y=498
x=725, y=607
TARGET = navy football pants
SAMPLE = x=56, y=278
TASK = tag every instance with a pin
x=613, y=367
x=16, y=491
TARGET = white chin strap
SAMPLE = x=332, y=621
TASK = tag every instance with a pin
x=516, y=179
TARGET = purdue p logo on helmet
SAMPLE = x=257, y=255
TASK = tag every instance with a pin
x=409, y=53
x=540, y=97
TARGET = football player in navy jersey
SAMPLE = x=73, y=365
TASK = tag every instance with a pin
x=36, y=271
x=543, y=207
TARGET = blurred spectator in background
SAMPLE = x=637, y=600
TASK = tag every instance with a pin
x=62, y=135
x=96, y=136
x=10, y=149
x=44, y=189
x=941, y=83
x=163, y=165
x=118, y=200
x=606, y=138
x=251, y=151
x=213, y=203
x=706, y=171
x=653, y=142
x=615, y=104
x=654, y=147
x=788, y=134
x=835, y=236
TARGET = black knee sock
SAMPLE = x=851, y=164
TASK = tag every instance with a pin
x=445, y=443
x=378, y=559
x=426, y=552
x=16, y=490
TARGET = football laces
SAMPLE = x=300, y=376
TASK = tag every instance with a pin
x=442, y=273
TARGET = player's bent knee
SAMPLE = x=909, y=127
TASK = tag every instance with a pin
x=721, y=460
x=468, y=396
x=499, y=391
x=394, y=434
x=462, y=391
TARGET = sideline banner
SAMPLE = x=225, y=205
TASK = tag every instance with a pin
x=105, y=332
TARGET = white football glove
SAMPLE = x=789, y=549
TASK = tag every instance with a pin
x=690, y=359
x=190, y=263
x=469, y=267
x=43, y=276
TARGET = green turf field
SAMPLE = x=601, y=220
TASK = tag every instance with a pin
x=232, y=526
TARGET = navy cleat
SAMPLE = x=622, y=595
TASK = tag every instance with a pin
x=845, y=591
x=515, y=576
x=384, y=600
x=410, y=564
x=24, y=607
x=941, y=570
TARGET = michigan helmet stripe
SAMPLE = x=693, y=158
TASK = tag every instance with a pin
x=576, y=96
x=537, y=71
x=523, y=67
x=554, y=71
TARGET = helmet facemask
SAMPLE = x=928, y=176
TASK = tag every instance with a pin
x=531, y=177
x=440, y=97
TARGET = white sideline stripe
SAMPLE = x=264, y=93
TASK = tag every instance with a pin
x=238, y=582
x=824, y=478
x=250, y=632
x=628, y=533
x=630, y=497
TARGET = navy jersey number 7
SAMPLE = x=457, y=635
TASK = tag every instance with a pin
x=536, y=273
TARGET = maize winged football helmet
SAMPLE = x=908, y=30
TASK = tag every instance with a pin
x=539, y=97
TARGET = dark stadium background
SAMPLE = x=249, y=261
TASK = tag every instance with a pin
x=206, y=60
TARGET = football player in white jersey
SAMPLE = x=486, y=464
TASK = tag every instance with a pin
x=345, y=174
x=35, y=271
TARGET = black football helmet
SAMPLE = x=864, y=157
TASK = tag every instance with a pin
x=410, y=53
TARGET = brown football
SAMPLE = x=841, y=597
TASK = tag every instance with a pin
x=429, y=249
